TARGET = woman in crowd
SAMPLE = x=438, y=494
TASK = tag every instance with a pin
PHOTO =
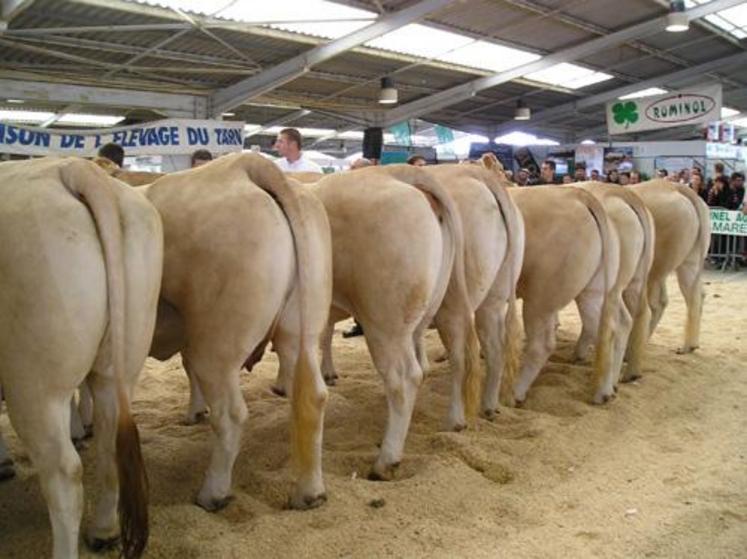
x=697, y=184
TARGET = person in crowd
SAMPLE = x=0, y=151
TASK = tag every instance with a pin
x=200, y=157
x=522, y=177
x=567, y=179
x=624, y=179
x=683, y=177
x=579, y=174
x=635, y=177
x=417, y=160
x=113, y=152
x=736, y=188
x=662, y=173
x=595, y=175
x=697, y=184
x=718, y=193
x=289, y=144
x=360, y=163
x=547, y=174
x=509, y=174
x=613, y=177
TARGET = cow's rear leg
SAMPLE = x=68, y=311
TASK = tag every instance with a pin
x=398, y=365
x=219, y=382
x=197, y=410
x=540, y=342
x=490, y=320
x=689, y=277
x=589, y=304
x=657, y=300
x=307, y=406
x=42, y=421
x=325, y=341
x=637, y=306
x=452, y=328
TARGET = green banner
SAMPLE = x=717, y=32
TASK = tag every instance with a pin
x=728, y=222
x=444, y=134
x=401, y=134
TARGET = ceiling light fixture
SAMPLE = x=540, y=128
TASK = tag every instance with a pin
x=677, y=19
x=522, y=111
x=388, y=93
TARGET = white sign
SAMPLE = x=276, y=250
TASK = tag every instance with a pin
x=677, y=108
x=161, y=137
x=728, y=222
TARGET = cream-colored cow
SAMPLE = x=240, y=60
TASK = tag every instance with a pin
x=396, y=236
x=683, y=234
x=571, y=253
x=81, y=265
x=233, y=281
x=635, y=231
x=494, y=251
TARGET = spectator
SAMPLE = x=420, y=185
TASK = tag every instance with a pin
x=718, y=171
x=697, y=184
x=579, y=175
x=289, y=144
x=683, y=176
x=662, y=173
x=522, y=177
x=624, y=179
x=635, y=177
x=718, y=193
x=417, y=160
x=360, y=163
x=595, y=175
x=613, y=177
x=113, y=152
x=547, y=174
x=736, y=188
x=567, y=179
x=200, y=157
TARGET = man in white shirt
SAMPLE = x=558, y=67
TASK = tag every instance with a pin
x=288, y=145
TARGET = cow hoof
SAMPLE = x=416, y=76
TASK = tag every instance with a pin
x=330, y=381
x=88, y=430
x=686, y=349
x=630, y=378
x=519, y=402
x=458, y=427
x=214, y=505
x=490, y=415
x=7, y=471
x=600, y=399
x=99, y=545
x=277, y=391
x=199, y=417
x=385, y=473
x=308, y=502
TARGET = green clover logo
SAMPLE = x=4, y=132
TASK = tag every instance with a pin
x=625, y=113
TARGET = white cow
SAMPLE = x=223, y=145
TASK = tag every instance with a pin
x=81, y=265
x=683, y=234
x=247, y=260
x=396, y=236
x=494, y=251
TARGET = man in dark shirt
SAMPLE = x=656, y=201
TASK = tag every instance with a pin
x=736, y=191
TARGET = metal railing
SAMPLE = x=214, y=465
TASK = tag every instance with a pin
x=728, y=239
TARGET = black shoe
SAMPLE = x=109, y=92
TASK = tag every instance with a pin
x=355, y=330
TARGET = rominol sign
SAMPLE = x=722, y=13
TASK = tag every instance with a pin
x=664, y=111
x=728, y=222
x=162, y=137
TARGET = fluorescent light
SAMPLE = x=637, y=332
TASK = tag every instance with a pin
x=727, y=112
x=228, y=114
x=15, y=101
x=588, y=142
x=644, y=93
x=677, y=22
x=523, y=139
x=570, y=76
x=89, y=120
x=25, y=116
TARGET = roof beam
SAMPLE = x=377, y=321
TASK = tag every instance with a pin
x=175, y=105
x=284, y=72
x=295, y=115
x=11, y=8
x=601, y=98
x=470, y=89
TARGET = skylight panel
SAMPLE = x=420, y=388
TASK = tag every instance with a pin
x=489, y=56
x=570, y=76
x=518, y=138
x=727, y=112
x=419, y=40
x=644, y=93
x=25, y=116
x=89, y=120
x=742, y=122
x=718, y=21
x=736, y=16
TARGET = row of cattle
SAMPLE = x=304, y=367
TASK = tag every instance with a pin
x=218, y=261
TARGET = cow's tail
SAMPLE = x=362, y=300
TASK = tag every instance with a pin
x=90, y=184
x=452, y=222
x=603, y=356
x=641, y=315
x=514, y=259
x=696, y=258
x=308, y=395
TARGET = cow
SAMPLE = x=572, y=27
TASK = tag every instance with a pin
x=634, y=227
x=396, y=236
x=494, y=251
x=81, y=266
x=683, y=234
x=247, y=260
